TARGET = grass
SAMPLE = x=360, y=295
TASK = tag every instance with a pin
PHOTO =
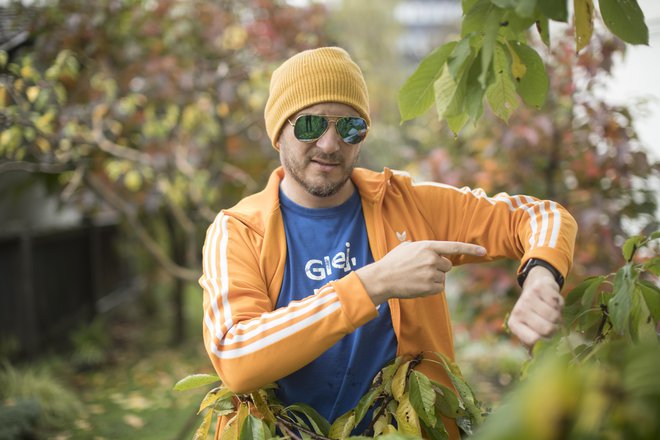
x=129, y=395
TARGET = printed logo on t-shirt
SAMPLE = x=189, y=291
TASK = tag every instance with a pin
x=327, y=266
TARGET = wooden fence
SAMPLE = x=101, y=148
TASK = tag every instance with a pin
x=53, y=281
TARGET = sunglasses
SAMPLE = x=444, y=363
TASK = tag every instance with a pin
x=309, y=128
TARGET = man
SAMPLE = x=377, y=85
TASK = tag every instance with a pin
x=332, y=270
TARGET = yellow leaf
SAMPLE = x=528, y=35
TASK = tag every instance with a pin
x=134, y=421
x=99, y=112
x=213, y=396
x=584, y=22
x=399, y=381
x=27, y=71
x=342, y=427
x=518, y=69
x=32, y=93
x=407, y=418
x=262, y=407
x=229, y=433
x=243, y=412
x=380, y=425
x=222, y=109
x=389, y=429
x=203, y=430
x=43, y=122
x=133, y=180
x=43, y=144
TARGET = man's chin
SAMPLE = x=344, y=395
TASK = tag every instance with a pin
x=324, y=189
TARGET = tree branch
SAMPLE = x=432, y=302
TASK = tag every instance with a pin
x=31, y=167
x=115, y=149
x=288, y=426
x=139, y=230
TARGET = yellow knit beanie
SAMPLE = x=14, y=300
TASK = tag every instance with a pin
x=310, y=77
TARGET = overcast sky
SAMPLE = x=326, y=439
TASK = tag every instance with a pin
x=638, y=76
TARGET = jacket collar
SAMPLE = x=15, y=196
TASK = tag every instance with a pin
x=256, y=210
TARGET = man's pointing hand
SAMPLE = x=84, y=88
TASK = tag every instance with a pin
x=413, y=269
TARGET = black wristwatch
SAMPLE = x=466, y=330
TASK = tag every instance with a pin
x=532, y=262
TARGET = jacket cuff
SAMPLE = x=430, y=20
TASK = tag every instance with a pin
x=355, y=301
x=555, y=257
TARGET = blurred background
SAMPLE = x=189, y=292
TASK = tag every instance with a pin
x=126, y=125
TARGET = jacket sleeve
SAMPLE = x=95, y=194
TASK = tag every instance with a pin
x=249, y=342
x=518, y=227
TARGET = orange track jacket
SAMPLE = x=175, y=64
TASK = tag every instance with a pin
x=252, y=344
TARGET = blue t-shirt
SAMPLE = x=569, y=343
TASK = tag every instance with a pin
x=324, y=245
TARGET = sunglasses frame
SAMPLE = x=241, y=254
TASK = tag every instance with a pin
x=329, y=118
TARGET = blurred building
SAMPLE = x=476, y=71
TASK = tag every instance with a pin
x=427, y=24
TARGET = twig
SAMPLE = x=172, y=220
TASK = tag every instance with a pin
x=287, y=431
x=290, y=425
x=31, y=167
x=139, y=230
x=603, y=321
x=381, y=411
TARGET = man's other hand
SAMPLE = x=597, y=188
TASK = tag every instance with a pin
x=538, y=312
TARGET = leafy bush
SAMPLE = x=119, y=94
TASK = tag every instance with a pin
x=39, y=402
x=90, y=343
x=596, y=379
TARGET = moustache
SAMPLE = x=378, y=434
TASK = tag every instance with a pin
x=333, y=158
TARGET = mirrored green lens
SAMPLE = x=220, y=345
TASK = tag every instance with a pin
x=352, y=130
x=310, y=127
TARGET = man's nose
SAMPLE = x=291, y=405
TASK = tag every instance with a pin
x=330, y=141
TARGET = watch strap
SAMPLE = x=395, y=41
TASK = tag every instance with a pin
x=533, y=262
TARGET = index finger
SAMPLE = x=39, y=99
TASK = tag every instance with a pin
x=457, y=248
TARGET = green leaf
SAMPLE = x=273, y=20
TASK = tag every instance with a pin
x=3, y=59
x=444, y=88
x=619, y=305
x=464, y=391
x=631, y=245
x=526, y=8
x=584, y=22
x=491, y=26
x=554, y=9
x=457, y=122
x=590, y=292
x=459, y=56
x=365, y=403
x=469, y=4
x=416, y=95
x=533, y=86
x=474, y=17
x=437, y=432
x=501, y=94
x=625, y=19
x=254, y=429
x=195, y=381
x=543, y=27
x=446, y=401
x=474, y=99
x=422, y=397
x=652, y=265
x=342, y=427
x=505, y=3
x=319, y=424
x=651, y=295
